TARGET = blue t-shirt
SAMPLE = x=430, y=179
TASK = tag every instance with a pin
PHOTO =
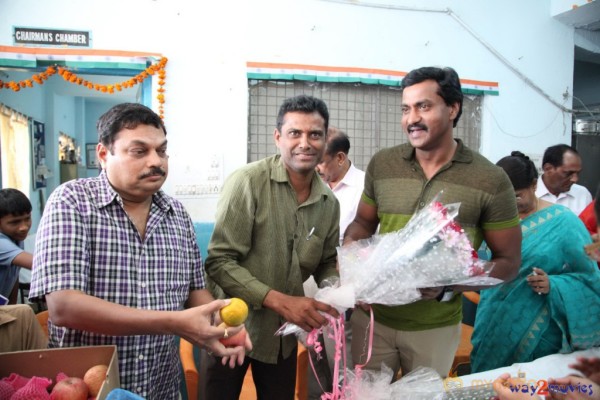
x=9, y=273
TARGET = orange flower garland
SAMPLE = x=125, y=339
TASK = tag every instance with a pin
x=70, y=77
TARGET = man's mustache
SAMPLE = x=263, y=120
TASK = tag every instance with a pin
x=416, y=126
x=154, y=171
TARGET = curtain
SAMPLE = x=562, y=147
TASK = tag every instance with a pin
x=15, y=150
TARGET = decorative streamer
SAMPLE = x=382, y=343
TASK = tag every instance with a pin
x=70, y=77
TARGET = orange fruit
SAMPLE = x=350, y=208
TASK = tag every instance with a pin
x=94, y=378
x=235, y=313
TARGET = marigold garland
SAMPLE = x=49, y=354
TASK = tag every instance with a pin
x=68, y=76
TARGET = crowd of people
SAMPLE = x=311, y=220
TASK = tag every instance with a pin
x=117, y=262
x=540, y=312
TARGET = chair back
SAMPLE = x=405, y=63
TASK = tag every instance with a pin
x=42, y=318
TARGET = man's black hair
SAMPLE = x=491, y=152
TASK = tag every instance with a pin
x=554, y=154
x=448, y=82
x=304, y=104
x=337, y=141
x=13, y=202
x=125, y=116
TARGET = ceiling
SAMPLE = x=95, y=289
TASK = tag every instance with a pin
x=586, y=21
x=584, y=17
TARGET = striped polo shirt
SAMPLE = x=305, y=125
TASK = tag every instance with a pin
x=396, y=184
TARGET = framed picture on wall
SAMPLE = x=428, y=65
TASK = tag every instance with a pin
x=40, y=171
x=91, y=161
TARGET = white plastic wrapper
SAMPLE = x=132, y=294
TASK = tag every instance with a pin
x=431, y=251
x=420, y=384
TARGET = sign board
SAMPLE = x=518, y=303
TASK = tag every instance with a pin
x=202, y=178
x=51, y=37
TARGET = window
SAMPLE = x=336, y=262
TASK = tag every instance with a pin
x=369, y=114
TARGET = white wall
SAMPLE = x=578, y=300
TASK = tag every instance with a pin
x=208, y=44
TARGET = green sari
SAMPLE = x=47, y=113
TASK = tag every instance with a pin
x=515, y=324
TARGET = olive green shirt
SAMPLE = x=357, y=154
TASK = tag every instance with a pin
x=264, y=240
x=396, y=184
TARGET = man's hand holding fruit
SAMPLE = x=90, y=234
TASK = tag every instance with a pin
x=204, y=329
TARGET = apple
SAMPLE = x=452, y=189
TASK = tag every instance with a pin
x=95, y=377
x=239, y=339
x=72, y=388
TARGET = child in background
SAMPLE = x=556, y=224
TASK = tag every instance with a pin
x=15, y=222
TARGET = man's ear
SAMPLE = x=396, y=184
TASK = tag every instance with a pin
x=454, y=110
x=101, y=153
x=276, y=136
x=340, y=157
x=547, y=167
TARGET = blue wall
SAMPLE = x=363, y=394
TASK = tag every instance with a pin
x=203, y=232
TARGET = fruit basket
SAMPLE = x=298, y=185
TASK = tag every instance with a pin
x=72, y=361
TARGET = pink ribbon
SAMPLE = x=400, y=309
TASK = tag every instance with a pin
x=359, y=368
x=338, y=335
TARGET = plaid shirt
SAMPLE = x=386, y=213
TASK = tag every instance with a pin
x=86, y=242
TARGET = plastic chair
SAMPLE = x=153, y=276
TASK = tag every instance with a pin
x=190, y=371
x=472, y=297
x=462, y=357
x=186, y=352
x=42, y=318
x=301, y=373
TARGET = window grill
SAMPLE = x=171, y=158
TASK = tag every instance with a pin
x=370, y=114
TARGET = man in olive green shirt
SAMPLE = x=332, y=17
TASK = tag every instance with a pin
x=276, y=225
x=404, y=179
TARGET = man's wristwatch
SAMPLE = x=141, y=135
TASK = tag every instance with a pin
x=446, y=294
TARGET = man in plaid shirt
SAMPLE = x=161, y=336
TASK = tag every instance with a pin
x=117, y=261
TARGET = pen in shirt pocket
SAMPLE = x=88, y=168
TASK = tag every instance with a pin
x=312, y=230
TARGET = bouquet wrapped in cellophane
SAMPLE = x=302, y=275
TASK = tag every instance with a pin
x=432, y=250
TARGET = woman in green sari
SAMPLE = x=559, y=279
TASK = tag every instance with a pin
x=553, y=305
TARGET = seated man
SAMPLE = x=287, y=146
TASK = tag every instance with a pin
x=20, y=330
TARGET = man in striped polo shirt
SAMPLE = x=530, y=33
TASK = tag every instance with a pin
x=402, y=180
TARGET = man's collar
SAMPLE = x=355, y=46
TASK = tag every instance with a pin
x=461, y=154
x=279, y=174
x=278, y=171
x=106, y=194
x=349, y=177
x=19, y=243
x=541, y=190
